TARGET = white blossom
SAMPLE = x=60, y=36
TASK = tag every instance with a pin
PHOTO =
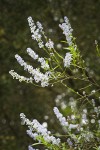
x=20, y=78
x=67, y=30
x=34, y=30
x=49, y=44
x=62, y=119
x=36, y=36
x=37, y=75
x=67, y=60
x=44, y=64
x=32, y=53
x=41, y=45
x=39, y=26
x=37, y=128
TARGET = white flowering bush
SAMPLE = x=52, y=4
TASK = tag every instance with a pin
x=82, y=123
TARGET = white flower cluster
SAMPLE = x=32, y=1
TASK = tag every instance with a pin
x=44, y=64
x=67, y=60
x=63, y=120
x=39, y=130
x=67, y=30
x=36, y=31
x=49, y=44
x=38, y=76
x=32, y=53
x=60, y=117
x=20, y=78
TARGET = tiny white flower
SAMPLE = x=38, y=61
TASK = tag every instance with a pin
x=41, y=45
x=67, y=60
x=39, y=26
x=49, y=44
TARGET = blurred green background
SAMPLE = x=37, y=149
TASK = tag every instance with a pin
x=15, y=37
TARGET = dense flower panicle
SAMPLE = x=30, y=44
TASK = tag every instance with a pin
x=30, y=21
x=60, y=117
x=40, y=27
x=44, y=78
x=20, y=78
x=44, y=64
x=67, y=30
x=49, y=44
x=20, y=60
x=26, y=121
x=37, y=75
x=63, y=120
x=36, y=31
x=37, y=128
x=36, y=36
x=32, y=53
x=31, y=24
x=67, y=60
